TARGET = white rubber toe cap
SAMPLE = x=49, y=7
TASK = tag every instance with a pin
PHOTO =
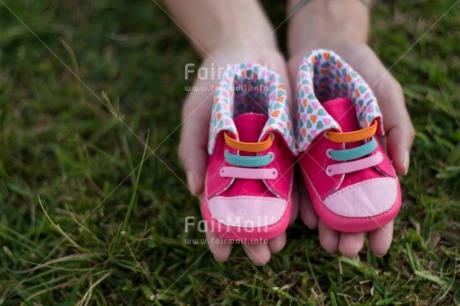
x=365, y=199
x=247, y=211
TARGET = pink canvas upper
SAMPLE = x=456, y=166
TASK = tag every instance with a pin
x=362, y=200
x=249, y=204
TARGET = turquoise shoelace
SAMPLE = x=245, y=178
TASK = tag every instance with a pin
x=355, y=153
x=248, y=161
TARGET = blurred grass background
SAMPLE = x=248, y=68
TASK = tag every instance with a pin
x=65, y=156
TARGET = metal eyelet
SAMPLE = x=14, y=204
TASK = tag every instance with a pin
x=329, y=171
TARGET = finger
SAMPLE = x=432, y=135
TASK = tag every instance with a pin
x=277, y=244
x=219, y=247
x=194, y=137
x=259, y=253
x=351, y=243
x=328, y=238
x=380, y=239
x=295, y=202
x=307, y=213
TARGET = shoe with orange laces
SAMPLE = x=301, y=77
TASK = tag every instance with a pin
x=351, y=181
x=249, y=178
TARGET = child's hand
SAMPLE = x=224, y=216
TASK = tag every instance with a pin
x=343, y=26
x=194, y=136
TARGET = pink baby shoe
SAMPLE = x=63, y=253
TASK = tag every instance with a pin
x=248, y=186
x=352, y=184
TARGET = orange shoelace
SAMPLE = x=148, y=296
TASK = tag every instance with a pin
x=253, y=147
x=353, y=136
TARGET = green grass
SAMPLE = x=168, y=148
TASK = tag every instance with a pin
x=65, y=232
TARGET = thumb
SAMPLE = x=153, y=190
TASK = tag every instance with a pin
x=398, y=126
x=399, y=142
x=194, y=160
x=193, y=142
x=396, y=119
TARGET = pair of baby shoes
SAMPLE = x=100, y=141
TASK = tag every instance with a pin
x=254, y=145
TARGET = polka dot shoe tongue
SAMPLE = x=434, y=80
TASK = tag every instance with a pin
x=248, y=184
x=351, y=181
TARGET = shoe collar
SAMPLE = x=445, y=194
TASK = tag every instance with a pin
x=323, y=75
x=250, y=87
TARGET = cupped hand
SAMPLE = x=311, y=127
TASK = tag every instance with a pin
x=399, y=137
x=196, y=114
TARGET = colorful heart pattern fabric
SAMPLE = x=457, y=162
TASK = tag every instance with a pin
x=323, y=76
x=251, y=88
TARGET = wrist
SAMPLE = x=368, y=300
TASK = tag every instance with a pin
x=210, y=24
x=324, y=23
x=238, y=40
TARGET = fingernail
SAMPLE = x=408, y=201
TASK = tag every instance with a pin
x=406, y=161
x=219, y=260
x=191, y=182
x=380, y=255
